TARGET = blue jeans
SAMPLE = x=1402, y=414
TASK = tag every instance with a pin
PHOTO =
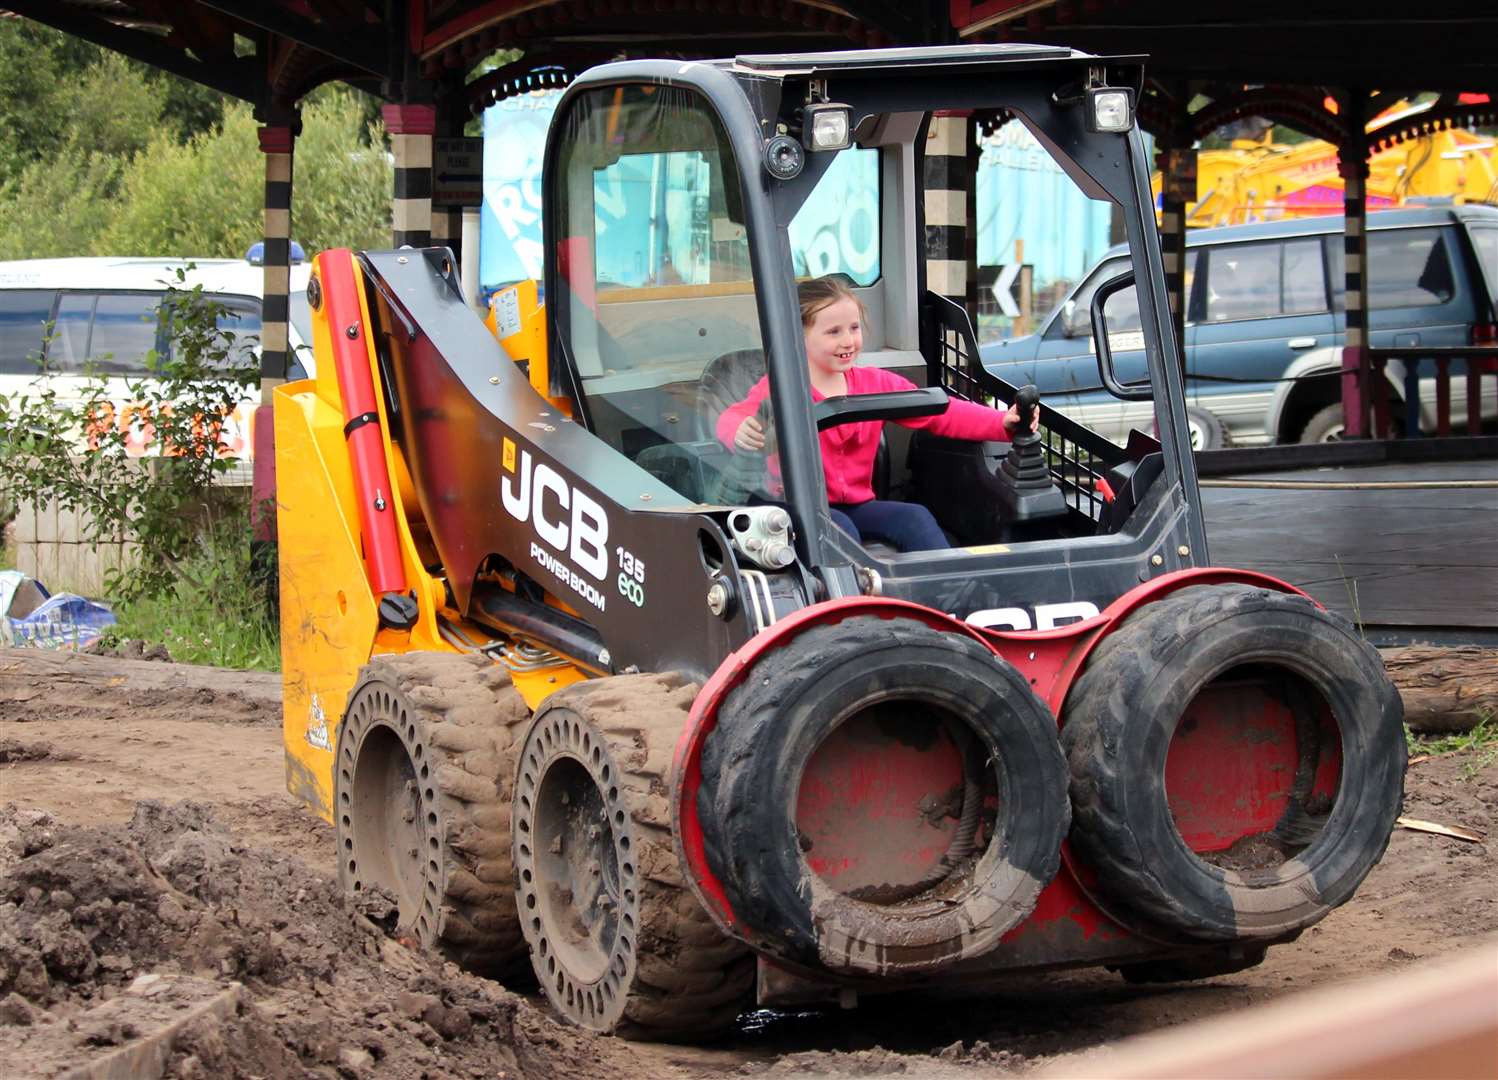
x=908, y=526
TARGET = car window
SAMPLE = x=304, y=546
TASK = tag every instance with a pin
x=1243, y=282
x=67, y=349
x=24, y=314
x=1260, y=281
x=1406, y=268
x=301, y=316
x=1303, y=287
x=125, y=330
x=1485, y=239
x=240, y=316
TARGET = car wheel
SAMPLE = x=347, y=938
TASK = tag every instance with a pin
x=1324, y=427
x=1207, y=432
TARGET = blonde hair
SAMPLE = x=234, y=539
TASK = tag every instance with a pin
x=818, y=293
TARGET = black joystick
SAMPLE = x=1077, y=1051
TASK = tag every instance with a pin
x=1026, y=490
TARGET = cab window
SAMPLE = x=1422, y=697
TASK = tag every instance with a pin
x=836, y=230
x=656, y=312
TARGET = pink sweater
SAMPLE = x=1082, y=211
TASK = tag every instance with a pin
x=848, y=449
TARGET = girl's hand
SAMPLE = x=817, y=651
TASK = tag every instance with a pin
x=751, y=435
x=1011, y=420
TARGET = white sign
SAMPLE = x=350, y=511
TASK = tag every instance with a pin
x=457, y=172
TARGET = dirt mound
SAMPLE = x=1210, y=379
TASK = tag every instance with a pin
x=101, y=928
x=13, y=751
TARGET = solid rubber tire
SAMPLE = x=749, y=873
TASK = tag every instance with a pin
x=672, y=974
x=457, y=717
x=769, y=726
x=1121, y=715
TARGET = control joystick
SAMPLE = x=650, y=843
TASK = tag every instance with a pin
x=1026, y=490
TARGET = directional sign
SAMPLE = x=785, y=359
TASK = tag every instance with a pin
x=1010, y=287
x=457, y=172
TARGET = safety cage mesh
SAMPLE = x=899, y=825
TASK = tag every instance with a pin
x=1077, y=456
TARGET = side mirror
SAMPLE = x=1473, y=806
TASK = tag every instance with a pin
x=1128, y=391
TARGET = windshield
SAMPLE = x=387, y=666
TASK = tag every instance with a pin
x=656, y=304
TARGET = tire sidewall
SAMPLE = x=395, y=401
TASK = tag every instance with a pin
x=799, y=912
x=1326, y=872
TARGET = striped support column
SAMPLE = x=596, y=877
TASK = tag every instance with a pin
x=1356, y=383
x=411, y=128
x=1177, y=189
x=946, y=184
x=276, y=144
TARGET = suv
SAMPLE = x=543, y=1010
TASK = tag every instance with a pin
x=99, y=315
x=1265, y=320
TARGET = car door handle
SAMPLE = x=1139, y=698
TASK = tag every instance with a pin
x=1302, y=343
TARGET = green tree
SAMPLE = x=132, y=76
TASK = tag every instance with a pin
x=205, y=198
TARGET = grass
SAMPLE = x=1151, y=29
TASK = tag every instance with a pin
x=218, y=614
x=1479, y=746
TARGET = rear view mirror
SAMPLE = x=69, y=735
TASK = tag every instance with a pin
x=1141, y=391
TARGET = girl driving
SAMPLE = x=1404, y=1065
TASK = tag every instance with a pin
x=832, y=321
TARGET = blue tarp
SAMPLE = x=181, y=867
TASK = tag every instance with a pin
x=34, y=618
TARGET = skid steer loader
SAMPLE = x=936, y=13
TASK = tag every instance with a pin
x=595, y=697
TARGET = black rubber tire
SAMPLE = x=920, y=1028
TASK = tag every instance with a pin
x=768, y=728
x=1325, y=426
x=1214, y=433
x=670, y=973
x=445, y=725
x=1119, y=720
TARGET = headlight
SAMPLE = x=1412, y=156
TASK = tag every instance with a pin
x=1109, y=109
x=827, y=126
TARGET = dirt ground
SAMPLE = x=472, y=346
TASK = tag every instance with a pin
x=153, y=871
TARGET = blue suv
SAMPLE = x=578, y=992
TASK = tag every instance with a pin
x=1265, y=318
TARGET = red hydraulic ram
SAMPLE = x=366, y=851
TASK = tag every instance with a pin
x=361, y=429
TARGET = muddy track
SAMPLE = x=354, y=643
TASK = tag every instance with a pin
x=250, y=882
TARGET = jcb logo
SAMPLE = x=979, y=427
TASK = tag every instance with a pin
x=565, y=518
x=1047, y=616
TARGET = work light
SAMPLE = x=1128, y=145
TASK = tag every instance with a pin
x=827, y=126
x=1109, y=109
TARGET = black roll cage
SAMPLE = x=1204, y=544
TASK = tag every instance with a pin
x=1041, y=86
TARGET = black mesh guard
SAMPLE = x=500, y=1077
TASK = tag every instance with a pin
x=1076, y=456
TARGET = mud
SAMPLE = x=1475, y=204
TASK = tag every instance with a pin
x=92, y=919
x=154, y=840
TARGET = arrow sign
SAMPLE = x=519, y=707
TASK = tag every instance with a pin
x=1001, y=286
x=457, y=172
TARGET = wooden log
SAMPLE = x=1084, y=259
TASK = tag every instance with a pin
x=1446, y=689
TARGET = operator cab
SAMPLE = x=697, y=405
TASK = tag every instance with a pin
x=686, y=201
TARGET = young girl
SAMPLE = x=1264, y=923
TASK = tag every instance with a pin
x=831, y=318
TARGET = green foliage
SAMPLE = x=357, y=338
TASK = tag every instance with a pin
x=221, y=618
x=1479, y=745
x=57, y=90
x=75, y=453
x=101, y=156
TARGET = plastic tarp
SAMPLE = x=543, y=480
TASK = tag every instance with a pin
x=31, y=617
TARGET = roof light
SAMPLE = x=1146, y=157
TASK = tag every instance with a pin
x=1109, y=109
x=827, y=126
x=255, y=256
